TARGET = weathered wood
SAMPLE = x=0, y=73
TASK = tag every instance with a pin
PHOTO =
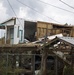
x=33, y=63
x=65, y=61
x=52, y=29
x=43, y=63
x=56, y=65
x=17, y=48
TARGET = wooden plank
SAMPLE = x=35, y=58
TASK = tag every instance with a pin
x=67, y=62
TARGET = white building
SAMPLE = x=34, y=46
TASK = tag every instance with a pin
x=17, y=29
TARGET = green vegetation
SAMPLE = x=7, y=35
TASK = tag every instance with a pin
x=68, y=70
x=7, y=69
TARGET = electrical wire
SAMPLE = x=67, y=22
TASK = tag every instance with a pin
x=55, y=6
x=14, y=12
x=36, y=10
x=11, y=7
x=66, y=4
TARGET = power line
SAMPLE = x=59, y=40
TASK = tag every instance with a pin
x=55, y=6
x=36, y=11
x=67, y=4
x=14, y=12
x=11, y=7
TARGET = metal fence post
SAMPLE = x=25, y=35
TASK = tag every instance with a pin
x=7, y=64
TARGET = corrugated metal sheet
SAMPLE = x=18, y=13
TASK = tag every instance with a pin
x=68, y=39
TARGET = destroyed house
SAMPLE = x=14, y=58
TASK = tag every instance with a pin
x=18, y=30
x=60, y=53
x=45, y=28
x=63, y=50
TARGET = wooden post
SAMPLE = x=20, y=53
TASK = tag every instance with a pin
x=33, y=64
x=43, y=63
x=7, y=65
x=44, y=56
x=72, y=59
x=56, y=66
x=13, y=61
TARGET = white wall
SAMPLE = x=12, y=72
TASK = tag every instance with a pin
x=8, y=33
x=2, y=33
x=16, y=39
x=20, y=23
x=9, y=23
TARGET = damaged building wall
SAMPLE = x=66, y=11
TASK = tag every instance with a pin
x=72, y=32
x=30, y=30
x=52, y=29
x=41, y=28
x=64, y=29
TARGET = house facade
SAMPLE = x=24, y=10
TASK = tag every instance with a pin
x=14, y=31
x=17, y=30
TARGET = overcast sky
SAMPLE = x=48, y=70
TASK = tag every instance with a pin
x=27, y=13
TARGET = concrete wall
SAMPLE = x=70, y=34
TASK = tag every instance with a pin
x=20, y=25
x=15, y=23
x=28, y=29
x=8, y=24
x=16, y=39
